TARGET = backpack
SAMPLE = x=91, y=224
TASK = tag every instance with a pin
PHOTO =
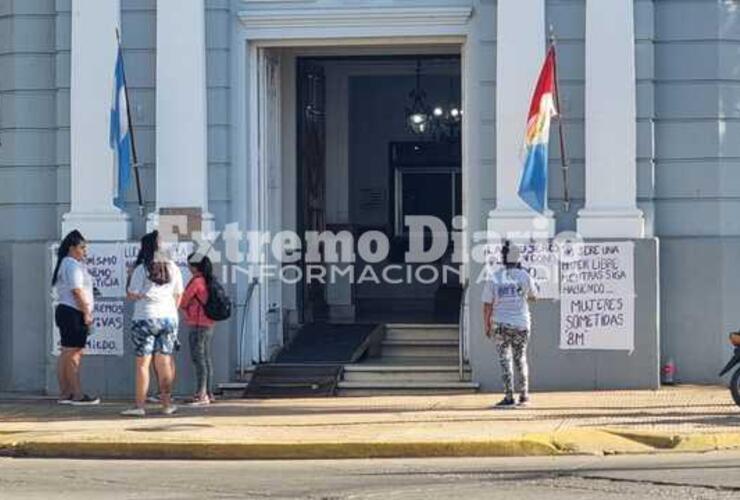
x=218, y=305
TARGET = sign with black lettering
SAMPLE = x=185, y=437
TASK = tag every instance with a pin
x=105, y=266
x=129, y=253
x=106, y=337
x=597, y=290
x=178, y=252
x=540, y=261
x=109, y=265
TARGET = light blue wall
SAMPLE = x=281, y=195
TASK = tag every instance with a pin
x=688, y=184
x=698, y=180
x=35, y=37
x=28, y=183
x=568, y=20
x=28, y=167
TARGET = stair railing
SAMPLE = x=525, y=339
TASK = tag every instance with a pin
x=461, y=337
x=242, y=336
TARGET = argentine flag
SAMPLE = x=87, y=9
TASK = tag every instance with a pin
x=120, y=133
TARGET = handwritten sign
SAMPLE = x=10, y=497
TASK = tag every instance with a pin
x=598, y=297
x=105, y=266
x=106, y=338
x=129, y=252
x=178, y=252
x=539, y=260
x=109, y=265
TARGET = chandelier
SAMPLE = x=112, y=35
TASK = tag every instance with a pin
x=440, y=122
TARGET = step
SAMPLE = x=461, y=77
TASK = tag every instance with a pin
x=245, y=375
x=420, y=347
x=231, y=390
x=422, y=332
x=406, y=388
x=232, y=386
x=289, y=380
x=378, y=373
x=235, y=389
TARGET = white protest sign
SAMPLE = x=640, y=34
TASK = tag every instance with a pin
x=107, y=331
x=540, y=261
x=178, y=252
x=129, y=252
x=105, y=265
x=598, y=297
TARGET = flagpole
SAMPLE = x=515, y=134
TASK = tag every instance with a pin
x=133, y=141
x=561, y=134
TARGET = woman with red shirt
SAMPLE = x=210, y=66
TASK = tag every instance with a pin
x=199, y=326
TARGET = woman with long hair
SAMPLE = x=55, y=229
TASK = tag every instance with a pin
x=155, y=287
x=73, y=316
x=200, y=326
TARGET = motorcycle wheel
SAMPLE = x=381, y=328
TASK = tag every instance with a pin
x=735, y=386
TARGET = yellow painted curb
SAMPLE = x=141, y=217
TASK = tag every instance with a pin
x=683, y=442
x=577, y=441
x=149, y=450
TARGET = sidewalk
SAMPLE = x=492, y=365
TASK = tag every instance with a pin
x=688, y=418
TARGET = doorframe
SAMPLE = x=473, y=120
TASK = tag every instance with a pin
x=319, y=29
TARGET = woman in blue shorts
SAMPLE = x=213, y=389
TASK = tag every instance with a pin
x=156, y=288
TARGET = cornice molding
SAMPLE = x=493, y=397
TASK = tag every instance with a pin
x=363, y=17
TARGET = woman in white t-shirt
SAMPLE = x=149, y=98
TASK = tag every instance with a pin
x=506, y=319
x=155, y=287
x=73, y=316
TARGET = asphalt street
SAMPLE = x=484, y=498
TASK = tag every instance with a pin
x=704, y=476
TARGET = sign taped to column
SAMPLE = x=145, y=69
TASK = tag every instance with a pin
x=105, y=265
x=110, y=265
x=597, y=308
x=539, y=259
x=106, y=338
x=178, y=253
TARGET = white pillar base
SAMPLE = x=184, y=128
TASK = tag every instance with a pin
x=98, y=226
x=628, y=223
x=521, y=224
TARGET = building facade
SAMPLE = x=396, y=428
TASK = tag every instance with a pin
x=649, y=103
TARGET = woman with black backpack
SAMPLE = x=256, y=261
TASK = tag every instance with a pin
x=200, y=325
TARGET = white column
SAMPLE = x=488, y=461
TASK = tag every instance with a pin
x=182, y=120
x=94, y=24
x=520, y=38
x=611, y=169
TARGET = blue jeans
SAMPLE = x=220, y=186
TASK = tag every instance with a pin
x=200, y=352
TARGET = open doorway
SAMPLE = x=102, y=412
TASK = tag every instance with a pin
x=378, y=139
x=351, y=143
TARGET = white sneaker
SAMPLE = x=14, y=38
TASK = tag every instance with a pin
x=85, y=400
x=199, y=401
x=169, y=410
x=134, y=412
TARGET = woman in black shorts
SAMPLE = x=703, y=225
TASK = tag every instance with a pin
x=73, y=316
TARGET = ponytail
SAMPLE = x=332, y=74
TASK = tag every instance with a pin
x=72, y=239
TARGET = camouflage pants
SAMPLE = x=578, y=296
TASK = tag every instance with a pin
x=511, y=344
